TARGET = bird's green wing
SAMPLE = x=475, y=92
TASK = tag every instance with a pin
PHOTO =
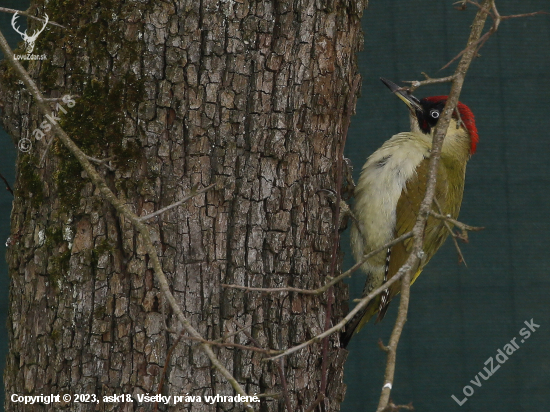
x=407, y=210
x=449, y=198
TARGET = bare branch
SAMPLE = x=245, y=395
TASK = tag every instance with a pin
x=497, y=18
x=269, y=352
x=418, y=230
x=8, y=188
x=165, y=368
x=181, y=336
x=280, y=368
x=314, y=405
x=276, y=395
x=451, y=231
x=179, y=202
x=392, y=407
x=461, y=258
x=102, y=162
x=362, y=303
x=415, y=84
x=24, y=13
x=462, y=226
x=382, y=347
x=43, y=158
x=462, y=4
x=515, y=16
x=333, y=281
x=230, y=335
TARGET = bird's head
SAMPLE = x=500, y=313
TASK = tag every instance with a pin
x=426, y=112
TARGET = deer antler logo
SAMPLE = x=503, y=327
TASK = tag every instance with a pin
x=29, y=40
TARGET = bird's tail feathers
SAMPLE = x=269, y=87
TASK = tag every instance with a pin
x=348, y=333
x=358, y=321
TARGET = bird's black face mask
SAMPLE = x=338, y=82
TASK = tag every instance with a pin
x=428, y=117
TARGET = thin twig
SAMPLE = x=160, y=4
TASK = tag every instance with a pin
x=275, y=395
x=247, y=334
x=415, y=84
x=234, y=333
x=8, y=188
x=124, y=210
x=280, y=368
x=320, y=398
x=179, y=202
x=392, y=407
x=459, y=122
x=281, y=371
x=171, y=350
x=165, y=368
x=382, y=347
x=497, y=19
x=101, y=162
x=462, y=226
x=43, y=159
x=447, y=220
x=461, y=258
x=462, y=4
x=417, y=250
x=181, y=335
x=24, y=13
x=269, y=352
x=333, y=281
x=219, y=340
x=362, y=303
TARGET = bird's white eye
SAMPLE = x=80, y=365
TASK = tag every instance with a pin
x=434, y=113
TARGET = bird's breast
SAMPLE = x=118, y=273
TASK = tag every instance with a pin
x=382, y=180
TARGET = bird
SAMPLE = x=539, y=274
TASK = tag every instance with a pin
x=390, y=189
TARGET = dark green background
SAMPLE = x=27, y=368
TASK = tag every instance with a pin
x=461, y=316
x=458, y=316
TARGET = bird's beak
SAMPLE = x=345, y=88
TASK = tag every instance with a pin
x=412, y=102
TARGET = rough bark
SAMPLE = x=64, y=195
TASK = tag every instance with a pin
x=181, y=94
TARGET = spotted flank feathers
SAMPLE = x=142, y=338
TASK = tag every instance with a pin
x=384, y=299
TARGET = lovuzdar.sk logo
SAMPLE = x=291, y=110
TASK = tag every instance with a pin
x=29, y=40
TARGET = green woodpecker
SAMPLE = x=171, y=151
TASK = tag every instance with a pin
x=391, y=187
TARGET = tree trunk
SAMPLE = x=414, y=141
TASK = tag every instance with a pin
x=180, y=95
